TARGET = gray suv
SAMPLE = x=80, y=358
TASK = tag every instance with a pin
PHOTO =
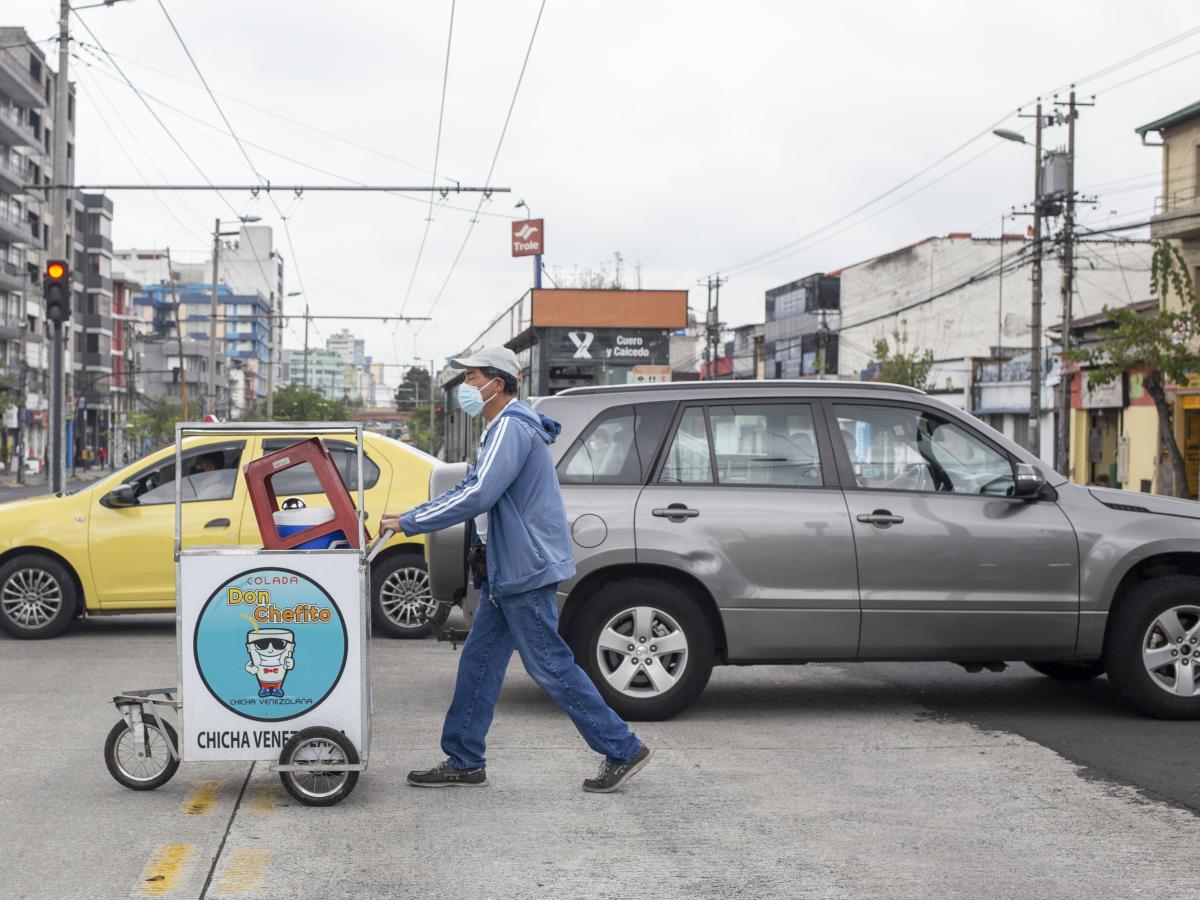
x=744, y=522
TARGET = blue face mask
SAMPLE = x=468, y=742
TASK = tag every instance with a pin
x=470, y=398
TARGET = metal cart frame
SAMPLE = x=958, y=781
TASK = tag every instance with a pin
x=138, y=706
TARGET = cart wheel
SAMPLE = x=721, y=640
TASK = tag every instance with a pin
x=314, y=786
x=144, y=773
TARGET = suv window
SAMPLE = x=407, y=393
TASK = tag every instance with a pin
x=209, y=473
x=302, y=479
x=912, y=449
x=688, y=460
x=617, y=447
x=765, y=444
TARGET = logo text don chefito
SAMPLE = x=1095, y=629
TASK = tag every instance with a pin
x=266, y=613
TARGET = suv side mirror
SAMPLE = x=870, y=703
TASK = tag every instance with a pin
x=1027, y=481
x=119, y=497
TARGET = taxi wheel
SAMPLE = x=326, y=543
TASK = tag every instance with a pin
x=154, y=767
x=37, y=597
x=311, y=784
x=401, y=602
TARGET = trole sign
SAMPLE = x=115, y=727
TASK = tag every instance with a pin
x=528, y=237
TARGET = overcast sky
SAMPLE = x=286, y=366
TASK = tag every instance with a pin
x=689, y=136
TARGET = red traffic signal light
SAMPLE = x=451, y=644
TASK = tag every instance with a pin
x=57, y=290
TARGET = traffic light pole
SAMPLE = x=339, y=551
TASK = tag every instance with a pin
x=56, y=410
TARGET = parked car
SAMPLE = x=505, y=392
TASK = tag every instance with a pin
x=737, y=523
x=108, y=548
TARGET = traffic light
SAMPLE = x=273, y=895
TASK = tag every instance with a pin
x=57, y=290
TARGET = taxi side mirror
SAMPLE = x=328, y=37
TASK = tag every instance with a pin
x=119, y=497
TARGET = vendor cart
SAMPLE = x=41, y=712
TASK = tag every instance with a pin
x=273, y=644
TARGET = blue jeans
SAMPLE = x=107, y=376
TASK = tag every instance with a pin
x=527, y=623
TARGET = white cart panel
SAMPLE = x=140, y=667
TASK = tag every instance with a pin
x=270, y=643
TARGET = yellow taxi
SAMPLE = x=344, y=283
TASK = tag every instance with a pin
x=108, y=548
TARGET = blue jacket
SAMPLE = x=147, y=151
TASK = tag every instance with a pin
x=514, y=482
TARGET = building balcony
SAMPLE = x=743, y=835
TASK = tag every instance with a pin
x=12, y=278
x=12, y=175
x=97, y=283
x=98, y=242
x=17, y=81
x=1179, y=219
x=94, y=322
x=13, y=131
x=16, y=231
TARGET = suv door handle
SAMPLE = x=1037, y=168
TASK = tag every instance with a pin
x=217, y=523
x=676, y=512
x=881, y=518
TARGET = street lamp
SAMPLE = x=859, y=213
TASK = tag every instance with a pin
x=1035, y=314
x=297, y=294
x=211, y=399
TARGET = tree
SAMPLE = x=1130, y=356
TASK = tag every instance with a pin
x=154, y=424
x=413, y=392
x=1163, y=342
x=294, y=403
x=899, y=366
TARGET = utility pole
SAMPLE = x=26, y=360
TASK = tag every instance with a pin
x=183, y=397
x=210, y=405
x=712, y=325
x=1063, y=458
x=22, y=369
x=1035, y=312
x=59, y=198
x=306, y=318
x=271, y=363
x=1000, y=299
x=707, y=332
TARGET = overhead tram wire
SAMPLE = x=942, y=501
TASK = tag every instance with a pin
x=332, y=174
x=437, y=150
x=125, y=151
x=274, y=113
x=267, y=280
x=491, y=169
x=82, y=21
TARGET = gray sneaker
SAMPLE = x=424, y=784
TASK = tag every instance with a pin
x=445, y=775
x=612, y=776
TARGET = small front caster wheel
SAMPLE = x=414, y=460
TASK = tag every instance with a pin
x=154, y=767
x=311, y=750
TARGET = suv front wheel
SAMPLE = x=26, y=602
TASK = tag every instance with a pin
x=1153, y=647
x=646, y=645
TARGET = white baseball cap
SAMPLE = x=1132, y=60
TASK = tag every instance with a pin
x=493, y=356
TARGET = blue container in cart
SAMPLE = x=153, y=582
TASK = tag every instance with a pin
x=291, y=521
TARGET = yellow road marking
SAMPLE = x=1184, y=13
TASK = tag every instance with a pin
x=265, y=797
x=165, y=869
x=244, y=872
x=203, y=798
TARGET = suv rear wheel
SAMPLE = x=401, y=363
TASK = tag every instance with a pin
x=646, y=645
x=1153, y=647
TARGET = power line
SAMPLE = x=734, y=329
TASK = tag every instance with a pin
x=150, y=108
x=391, y=191
x=437, y=149
x=121, y=144
x=492, y=168
x=278, y=115
x=267, y=280
x=794, y=246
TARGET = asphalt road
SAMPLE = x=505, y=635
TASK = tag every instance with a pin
x=810, y=781
x=36, y=485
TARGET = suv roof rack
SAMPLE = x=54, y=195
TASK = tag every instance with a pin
x=737, y=384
